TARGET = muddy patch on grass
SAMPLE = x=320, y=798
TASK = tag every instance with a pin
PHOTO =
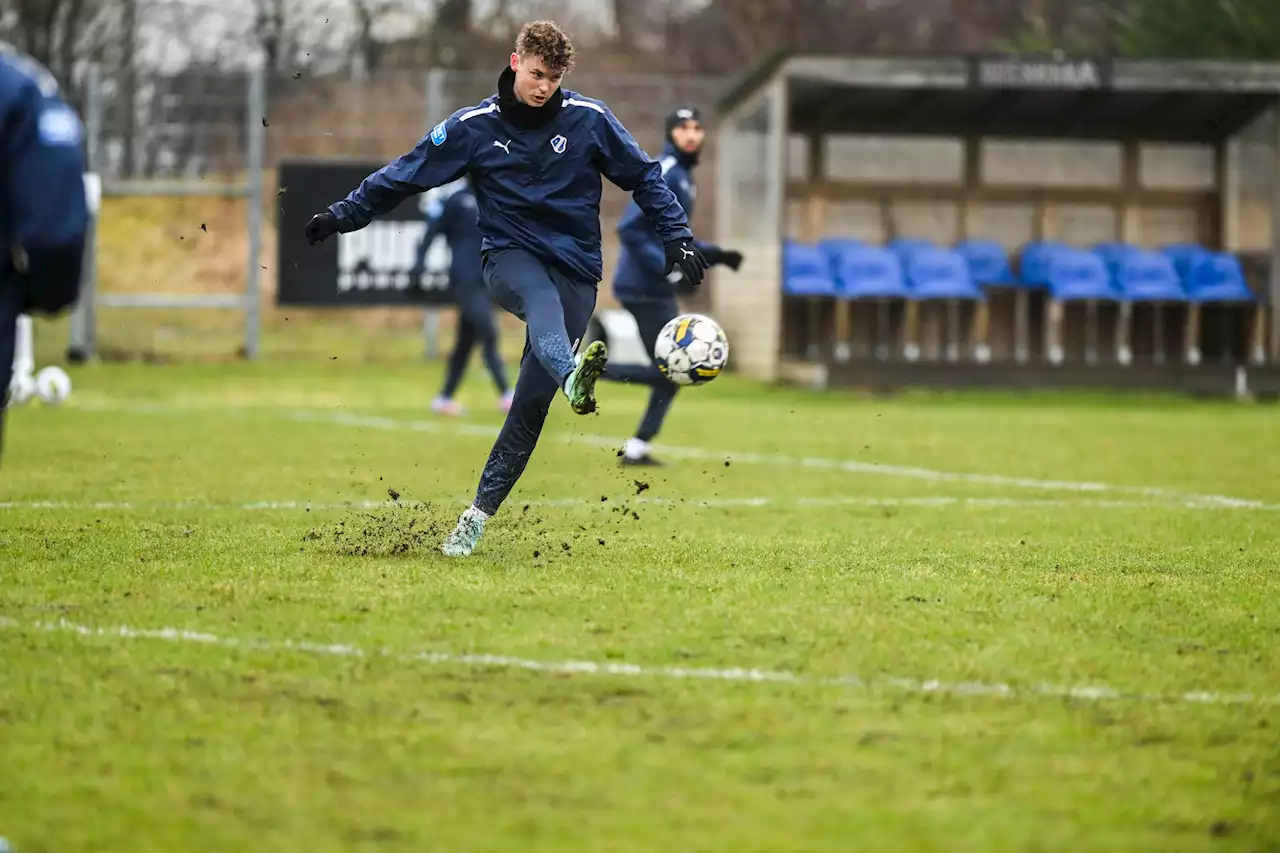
x=390, y=532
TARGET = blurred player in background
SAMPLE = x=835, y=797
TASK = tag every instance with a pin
x=642, y=286
x=535, y=154
x=43, y=211
x=458, y=222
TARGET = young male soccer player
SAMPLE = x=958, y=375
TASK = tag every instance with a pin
x=535, y=154
x=641, y=285
x=43, y=210
x=458, y=223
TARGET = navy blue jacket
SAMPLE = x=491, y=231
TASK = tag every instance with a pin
x=536, y=189
x=643, y=259
x=43, y=210
x=459, y=224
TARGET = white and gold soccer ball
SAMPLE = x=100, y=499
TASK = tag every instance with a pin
x=691, y=349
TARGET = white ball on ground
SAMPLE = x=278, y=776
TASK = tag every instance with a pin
x=22, y=387
x=53, y=385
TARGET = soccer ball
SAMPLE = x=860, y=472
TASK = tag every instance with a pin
x=691, y=350
x=53, y=385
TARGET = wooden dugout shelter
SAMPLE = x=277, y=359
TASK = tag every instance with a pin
x=776, y=137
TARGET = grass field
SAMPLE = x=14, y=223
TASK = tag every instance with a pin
x=834, y=623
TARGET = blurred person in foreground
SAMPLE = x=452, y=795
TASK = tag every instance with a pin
x=535, y=154
x=459, y=223
x=642, y=286
x=43, y=210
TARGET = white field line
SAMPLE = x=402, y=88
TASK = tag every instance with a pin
x=748, y=458
x=818, y=463
x=706, y=503
x=1094, y=693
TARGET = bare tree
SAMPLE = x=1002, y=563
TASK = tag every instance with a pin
x=454, y=16
x=271, y=25
x=60, y=34
x=368, y=13
x=646, y=25
x=128, y=64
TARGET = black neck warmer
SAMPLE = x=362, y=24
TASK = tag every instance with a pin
x=688, y=159
x=521, y=114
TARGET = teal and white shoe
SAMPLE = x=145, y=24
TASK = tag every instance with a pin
x=580, y=387
x=466, y=536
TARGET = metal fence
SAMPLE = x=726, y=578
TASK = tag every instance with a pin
x=188, y=168
x=170, y=140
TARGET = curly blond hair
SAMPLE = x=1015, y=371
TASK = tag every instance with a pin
x=546, y=41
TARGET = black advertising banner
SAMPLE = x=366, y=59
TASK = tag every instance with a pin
x=369, y=267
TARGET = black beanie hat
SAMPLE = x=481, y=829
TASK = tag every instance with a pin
x=680, y=116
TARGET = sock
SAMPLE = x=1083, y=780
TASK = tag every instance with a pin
x=635, y=449
x=473, y=510
x=564, y=386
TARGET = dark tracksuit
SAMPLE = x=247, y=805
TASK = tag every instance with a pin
x=43, y=212
x=536, y=174
x=459, y=225
x=643, y=289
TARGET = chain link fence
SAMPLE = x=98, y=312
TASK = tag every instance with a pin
x=176, y=155
x=181, y=183
x=176, y=253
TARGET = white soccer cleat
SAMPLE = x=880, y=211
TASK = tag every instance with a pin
x=466, y=536
x=22, y=388
x=445, y=406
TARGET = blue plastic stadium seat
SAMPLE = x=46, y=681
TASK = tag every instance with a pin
x=870, y=272
x=806, y=271
x=1218, y=277
x=987, y=260
x=905, y=247
x=1184, y=257
x=1077, y=275
x=1148, y=277
x=833, y=246
x=1034, y=262
x=1114, y=254
x=940, y=274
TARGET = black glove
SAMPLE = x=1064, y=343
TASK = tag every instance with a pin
x=321, y=226
x=730, y=259
x=717, y=256
x=685, y=255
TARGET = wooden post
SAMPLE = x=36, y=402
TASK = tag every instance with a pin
x=1129, y=225
x=969, y=208
x=1091, y=331
x=1053, y=311
x=954, y=335
x=1274, y=300
x=1192, y=333
x=1045, y=225
x=815, y=229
